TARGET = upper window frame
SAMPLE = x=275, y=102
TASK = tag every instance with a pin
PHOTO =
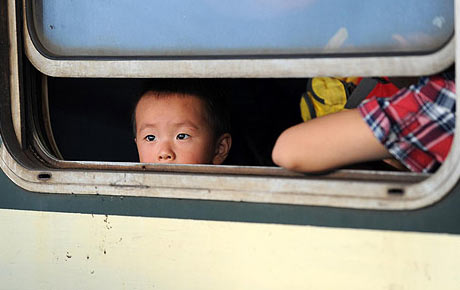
x=404, y=40
x=389, y=64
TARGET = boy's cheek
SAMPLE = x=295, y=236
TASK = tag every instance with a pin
x=197, y=156
x=145, y=155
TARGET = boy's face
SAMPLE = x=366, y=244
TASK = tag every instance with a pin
x=173, y=129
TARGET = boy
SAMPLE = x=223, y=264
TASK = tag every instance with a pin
x=415, y=126
x=181, y=122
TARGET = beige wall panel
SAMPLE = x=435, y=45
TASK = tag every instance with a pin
x=42, y=250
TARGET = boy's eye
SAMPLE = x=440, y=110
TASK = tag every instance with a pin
x=182, y=136
x=150, y=138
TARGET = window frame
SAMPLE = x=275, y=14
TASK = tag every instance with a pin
x=389, y=64
x=342, y=188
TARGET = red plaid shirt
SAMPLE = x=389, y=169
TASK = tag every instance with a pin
x=416, y=124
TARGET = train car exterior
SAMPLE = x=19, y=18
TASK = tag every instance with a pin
x=89, y=225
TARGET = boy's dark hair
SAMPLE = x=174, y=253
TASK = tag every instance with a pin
x=206, y=90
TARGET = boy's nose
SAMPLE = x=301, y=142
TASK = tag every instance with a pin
x=165, y=154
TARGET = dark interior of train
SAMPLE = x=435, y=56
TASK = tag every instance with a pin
x=91, y=118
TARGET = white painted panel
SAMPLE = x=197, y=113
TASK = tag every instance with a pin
x=42, y=250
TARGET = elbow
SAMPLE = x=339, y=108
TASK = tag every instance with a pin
x=292, y=162
x=283, y=156
x=286, y=160
x=293, y=151
x=277, y=156
x=286, y=154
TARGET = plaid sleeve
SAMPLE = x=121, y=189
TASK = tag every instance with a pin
x=416, y=124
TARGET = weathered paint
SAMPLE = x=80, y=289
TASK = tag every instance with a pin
x=254, y=68
x=81, y=251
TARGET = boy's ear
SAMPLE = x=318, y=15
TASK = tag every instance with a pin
x=223, y=145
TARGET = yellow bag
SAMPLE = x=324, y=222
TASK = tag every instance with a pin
x=325, y=95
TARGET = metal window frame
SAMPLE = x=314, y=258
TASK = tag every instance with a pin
x=389, y=64
x=342, y=188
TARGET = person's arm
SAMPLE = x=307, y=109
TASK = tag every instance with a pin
x=328, y=142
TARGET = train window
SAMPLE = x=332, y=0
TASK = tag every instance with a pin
x=181, y=28
x=238, y=38
x=68, y=127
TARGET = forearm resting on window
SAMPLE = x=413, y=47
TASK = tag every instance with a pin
x=328, y=142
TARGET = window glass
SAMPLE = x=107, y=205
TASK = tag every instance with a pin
x=240, y=27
